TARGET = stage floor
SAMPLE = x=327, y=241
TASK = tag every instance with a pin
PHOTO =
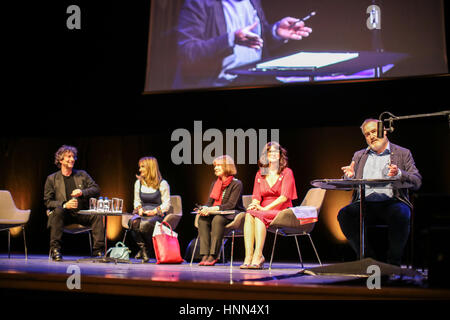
x=183, y=281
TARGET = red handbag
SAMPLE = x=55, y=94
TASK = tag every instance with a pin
x=167, y=248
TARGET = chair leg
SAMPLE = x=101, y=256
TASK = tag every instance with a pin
x=298, y=250
x=125, y=235
x=222, y=251
x=193, y=251
x=25, y=243
x=9, y=244
x=314, y=247
x=273, y=249
x=232, y=250
x=90, y=242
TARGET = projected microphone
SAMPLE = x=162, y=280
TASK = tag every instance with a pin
x=380, y=130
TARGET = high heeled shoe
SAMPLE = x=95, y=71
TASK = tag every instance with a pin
x=258, y=266
x=204, y=259
x=210, y=262
x=245, y=265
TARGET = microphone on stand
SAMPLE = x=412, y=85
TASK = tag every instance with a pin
x=390, y=128
x=380, y=129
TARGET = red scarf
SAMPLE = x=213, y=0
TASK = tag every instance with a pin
x=217, y=190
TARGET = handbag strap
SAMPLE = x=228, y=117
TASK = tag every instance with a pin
x=118, y=245
x=161, y=227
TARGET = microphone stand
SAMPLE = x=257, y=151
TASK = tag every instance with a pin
x=377, y=44
x=424, y=115
x=380, y=133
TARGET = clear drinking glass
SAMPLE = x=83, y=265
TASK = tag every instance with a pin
x=93, y=204
x=107, y=205
x=117, y=205
x=385, y=171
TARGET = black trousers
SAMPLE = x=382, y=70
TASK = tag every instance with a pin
x=395, y=214
x=62, y=217
x=211, y=230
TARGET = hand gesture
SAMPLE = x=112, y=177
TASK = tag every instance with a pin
x=204, y=211
x=150, y=213
x=393, y=170
x=349, y=171
x=292, y=29
x=76, y=193
x=254, y=206
x=71, y=204
x=245, y=37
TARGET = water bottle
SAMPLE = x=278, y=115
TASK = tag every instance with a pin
x=100, y=203
x=106, y=205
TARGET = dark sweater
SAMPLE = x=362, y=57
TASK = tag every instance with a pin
x=232, y=199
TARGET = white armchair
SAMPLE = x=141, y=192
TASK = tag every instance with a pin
x=11, y=217
x=286, y=223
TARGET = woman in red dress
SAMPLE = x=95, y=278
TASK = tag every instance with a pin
x=273, y=191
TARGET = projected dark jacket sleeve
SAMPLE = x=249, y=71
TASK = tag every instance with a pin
x=202, y=32
x=203, y=39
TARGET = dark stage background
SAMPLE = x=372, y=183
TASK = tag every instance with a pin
x=85, y=88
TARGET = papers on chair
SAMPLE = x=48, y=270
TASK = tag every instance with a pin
x=307, y=60
x=223, y=212
x=218, y=212
x=306, y=214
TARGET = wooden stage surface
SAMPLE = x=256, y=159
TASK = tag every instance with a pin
x=182, y=281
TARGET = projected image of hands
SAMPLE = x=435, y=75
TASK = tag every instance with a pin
x=207, y=43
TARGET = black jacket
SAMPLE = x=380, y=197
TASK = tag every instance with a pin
x=55, y=190
x=232, y=199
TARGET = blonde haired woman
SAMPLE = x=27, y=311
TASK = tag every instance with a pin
x=151, y=203
x=225, y=194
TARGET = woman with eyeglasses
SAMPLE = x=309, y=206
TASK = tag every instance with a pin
x=273, y=191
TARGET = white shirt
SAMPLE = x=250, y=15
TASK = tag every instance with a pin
x=239, y=14
x=373, y=169
x=163, y=188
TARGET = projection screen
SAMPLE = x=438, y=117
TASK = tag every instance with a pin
x=231, y=43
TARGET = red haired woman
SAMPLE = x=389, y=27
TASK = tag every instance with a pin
x=273, y=191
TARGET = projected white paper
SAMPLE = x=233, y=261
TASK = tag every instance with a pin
x=307, y=60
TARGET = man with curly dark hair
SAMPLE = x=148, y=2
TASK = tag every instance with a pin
x=67, y=191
